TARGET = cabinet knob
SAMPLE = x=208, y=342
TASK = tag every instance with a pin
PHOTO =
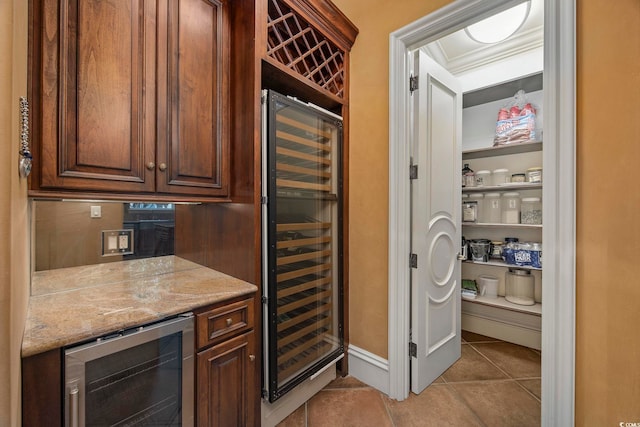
x=252, y=357
x=229, y=322
x=162, y=167
x=151, y=166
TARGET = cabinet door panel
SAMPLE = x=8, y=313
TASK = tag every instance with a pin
x=193, y=155
x=101, y=141
x=225, y=383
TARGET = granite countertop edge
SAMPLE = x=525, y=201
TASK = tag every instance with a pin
x=77, y=315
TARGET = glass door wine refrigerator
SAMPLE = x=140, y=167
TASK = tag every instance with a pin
x=302, y=223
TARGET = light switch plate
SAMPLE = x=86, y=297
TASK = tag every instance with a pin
x=96, y=211
x=117, y=242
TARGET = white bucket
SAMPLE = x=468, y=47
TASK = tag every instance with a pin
x=488, y=286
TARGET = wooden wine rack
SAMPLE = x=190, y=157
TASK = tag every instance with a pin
x=301, y=48
x=305, y=256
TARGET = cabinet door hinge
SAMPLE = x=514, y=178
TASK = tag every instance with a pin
x=413, y=260
x=413, y=172
x=264, y=200
x=265, y=300
x=413, y=84
x=413, y=349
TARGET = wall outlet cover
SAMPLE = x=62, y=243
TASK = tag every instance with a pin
x=117, y=242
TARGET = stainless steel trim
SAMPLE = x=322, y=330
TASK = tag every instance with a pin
x=77, y=357
x=330, y=364
x=73, y=407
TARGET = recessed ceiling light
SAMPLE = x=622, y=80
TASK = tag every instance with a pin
x=501, y=26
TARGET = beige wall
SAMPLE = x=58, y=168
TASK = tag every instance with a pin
x=608, y=203
x=14, y=256
x=608, y=213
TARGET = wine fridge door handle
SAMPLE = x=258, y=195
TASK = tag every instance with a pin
x=73, y=407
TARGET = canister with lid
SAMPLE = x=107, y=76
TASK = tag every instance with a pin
x=511, y=208
x=479, y=199
x=492, y=208
x=470, y=211
x=520, y=287
x=500, y=176
x=483, y=178
x=531, y=210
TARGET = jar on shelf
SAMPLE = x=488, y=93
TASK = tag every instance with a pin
x=500, y=176
x=511, y=208
x=470, y=211
x=483, y=178
x=534, y=174
x=531, y=210
x=492, y=208
x=479, y=199
x=468, y=176
x=518, y=178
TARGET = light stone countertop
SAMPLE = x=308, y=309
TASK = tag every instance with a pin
x=71, y=305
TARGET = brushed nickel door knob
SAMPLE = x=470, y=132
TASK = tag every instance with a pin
x=151, y=166
x=162, y=167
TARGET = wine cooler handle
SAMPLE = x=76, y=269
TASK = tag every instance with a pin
x=73, y=407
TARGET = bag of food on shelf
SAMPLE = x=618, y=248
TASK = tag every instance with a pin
x=516, y=122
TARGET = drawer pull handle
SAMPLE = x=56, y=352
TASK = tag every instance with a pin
x=229, y=322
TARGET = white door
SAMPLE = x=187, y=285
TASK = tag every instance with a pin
x=435, y=222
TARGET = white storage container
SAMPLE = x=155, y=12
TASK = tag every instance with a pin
x=531, y=210
x=511, y=208
x=500, y=176
x=534, y=174
x=492, y=208
x=483, y=178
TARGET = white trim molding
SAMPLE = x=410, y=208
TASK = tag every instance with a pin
x=558, y=319
x=370, y=369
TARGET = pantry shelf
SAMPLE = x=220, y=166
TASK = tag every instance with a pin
x=496, y=263
x=506, y=187
x=499, y=225
x=502, y=150
x=501, y=302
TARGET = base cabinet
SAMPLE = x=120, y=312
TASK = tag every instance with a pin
x=226, y=364
x=225, y=383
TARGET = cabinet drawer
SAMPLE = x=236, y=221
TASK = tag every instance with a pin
x=223, y=322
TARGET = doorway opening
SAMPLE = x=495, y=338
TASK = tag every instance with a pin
x=558, y=283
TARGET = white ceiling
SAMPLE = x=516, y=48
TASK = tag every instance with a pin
x=459, y=53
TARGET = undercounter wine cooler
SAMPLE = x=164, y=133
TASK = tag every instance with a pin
x=302, y=222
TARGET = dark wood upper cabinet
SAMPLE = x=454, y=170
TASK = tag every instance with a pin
x=130, y=96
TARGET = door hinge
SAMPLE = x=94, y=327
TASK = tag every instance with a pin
x=413, y=349
x=265, y=300
x=264, y=200
x=413, y=83
x=413, y=261
x=413, y=172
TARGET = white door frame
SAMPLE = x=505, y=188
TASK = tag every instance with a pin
x=558, y=285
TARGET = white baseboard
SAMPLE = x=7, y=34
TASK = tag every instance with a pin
x=369, y=368
x=503, y=331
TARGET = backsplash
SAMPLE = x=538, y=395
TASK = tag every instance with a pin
x=70, y=233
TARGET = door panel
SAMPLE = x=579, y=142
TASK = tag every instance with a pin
x=101, y=77
x=435, y=209
x=193, y=146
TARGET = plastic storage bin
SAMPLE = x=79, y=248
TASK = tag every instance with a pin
x=492, y=208
x=511, y=208
x=500, y=177
x=531, y=210
x=483, y=178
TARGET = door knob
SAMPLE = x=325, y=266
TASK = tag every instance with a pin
x=461, y=257
x=252, y=357
x=151, y=166
x=162, y=167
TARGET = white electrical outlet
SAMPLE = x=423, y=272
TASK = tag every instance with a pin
x=96, y=211
x=123, y=241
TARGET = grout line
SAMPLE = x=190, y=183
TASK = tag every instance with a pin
x=462, y=400
x=529, y=391
x=491, y=361
x=386, y=407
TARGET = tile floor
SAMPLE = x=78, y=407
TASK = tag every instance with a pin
x=494, y=383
